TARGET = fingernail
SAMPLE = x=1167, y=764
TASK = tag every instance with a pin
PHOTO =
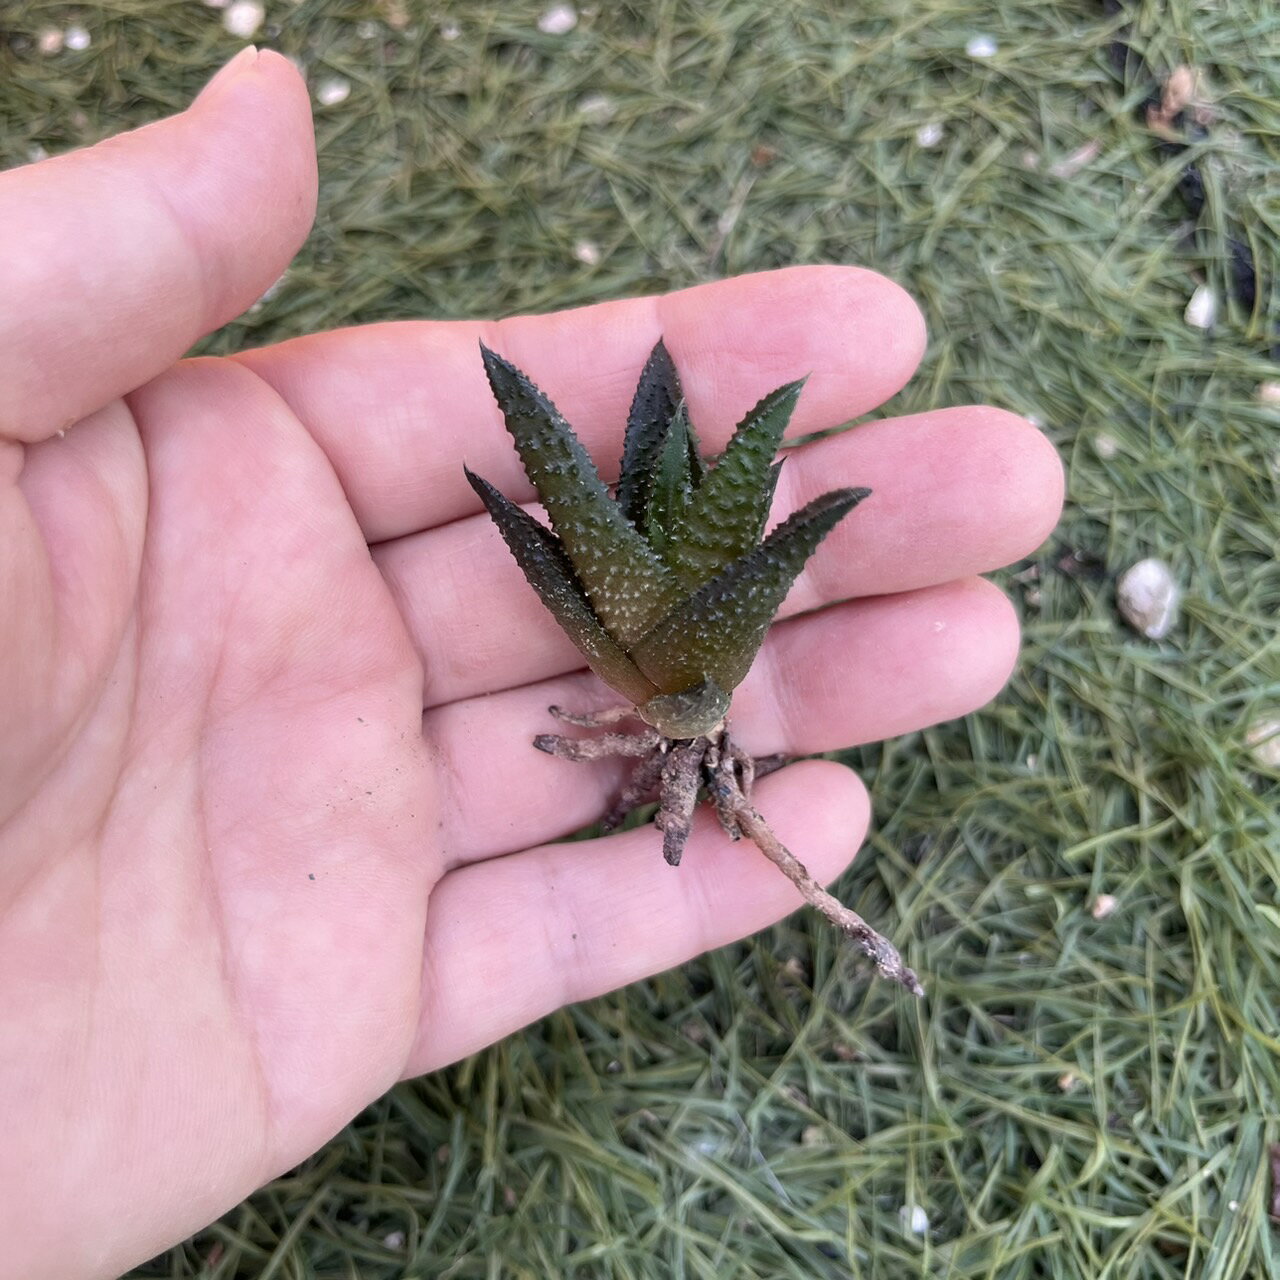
x=243, y=60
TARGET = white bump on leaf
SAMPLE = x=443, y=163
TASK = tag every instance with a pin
x=1148, y=598
x=1202, y=310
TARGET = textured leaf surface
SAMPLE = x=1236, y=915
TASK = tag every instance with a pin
x=628, y=586
x=672, y=486
x=657, y=396
x=717, y=631
x=731, y=505
x=549, y=571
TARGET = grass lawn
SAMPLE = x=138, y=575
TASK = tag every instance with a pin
x=1077, y=1098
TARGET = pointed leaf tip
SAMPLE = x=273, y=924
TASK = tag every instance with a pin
x=731, y=505
x=628, y=586
x=658, y=395
x=549, y=572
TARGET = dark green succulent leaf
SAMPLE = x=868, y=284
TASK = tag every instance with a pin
x=671, y=488
x=628, y=586
x=657, y=396
x=715, y=633
x=544, y=563
x=731, y=505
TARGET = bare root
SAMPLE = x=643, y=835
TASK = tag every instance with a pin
x=677, y=769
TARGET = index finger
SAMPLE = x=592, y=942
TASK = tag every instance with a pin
x=397, y=407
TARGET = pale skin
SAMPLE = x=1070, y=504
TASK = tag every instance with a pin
x=272, y=833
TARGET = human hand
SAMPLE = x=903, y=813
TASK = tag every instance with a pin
x=269, y=677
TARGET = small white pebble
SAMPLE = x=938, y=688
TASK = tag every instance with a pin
x=1030, y=160
x=914, y=1219
x=586, y=252
x=1233, y=1205
x=367, y=30
x=1103, y=905
x=1033, y=598
x=393, y=1240
x=78, y=38
x=813, y=1136
x=597, y=107
x=450, y=31
x=1269, y=393
x=929, y=135
x=981, y=47
x=1036, y=421
x=49, y=41
x=1067, y=1081
x=36, y=153
x=1105, y=446
x=1033, y=762
x=329, y=93
x=1263, y=737
x=1202, y=310
x=1148, y=598
x=559, y=20
x=243, y=18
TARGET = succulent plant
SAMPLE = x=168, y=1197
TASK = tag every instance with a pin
x=665, y=586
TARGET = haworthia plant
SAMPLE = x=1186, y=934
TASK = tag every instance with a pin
x=664, y=586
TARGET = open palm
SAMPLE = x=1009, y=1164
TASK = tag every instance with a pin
x=272, y=835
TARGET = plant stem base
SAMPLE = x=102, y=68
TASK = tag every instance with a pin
x=673, y=771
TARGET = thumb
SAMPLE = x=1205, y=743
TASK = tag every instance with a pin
x=116, y=258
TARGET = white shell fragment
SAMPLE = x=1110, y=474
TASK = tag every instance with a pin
x=329, y=93
x=929, y=135
x=981, y=47
x=243, y=18
x=1148, y=596
x=914, y=1219
x=1103, y=906
x=597, y=107
x=559, y=20
x=1263, y=737
x=1202, y=310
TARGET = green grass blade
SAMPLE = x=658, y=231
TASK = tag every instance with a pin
x=628, y=586
x=730, y=507
x=716, y=632
x=657, y=397
x=544, y=563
